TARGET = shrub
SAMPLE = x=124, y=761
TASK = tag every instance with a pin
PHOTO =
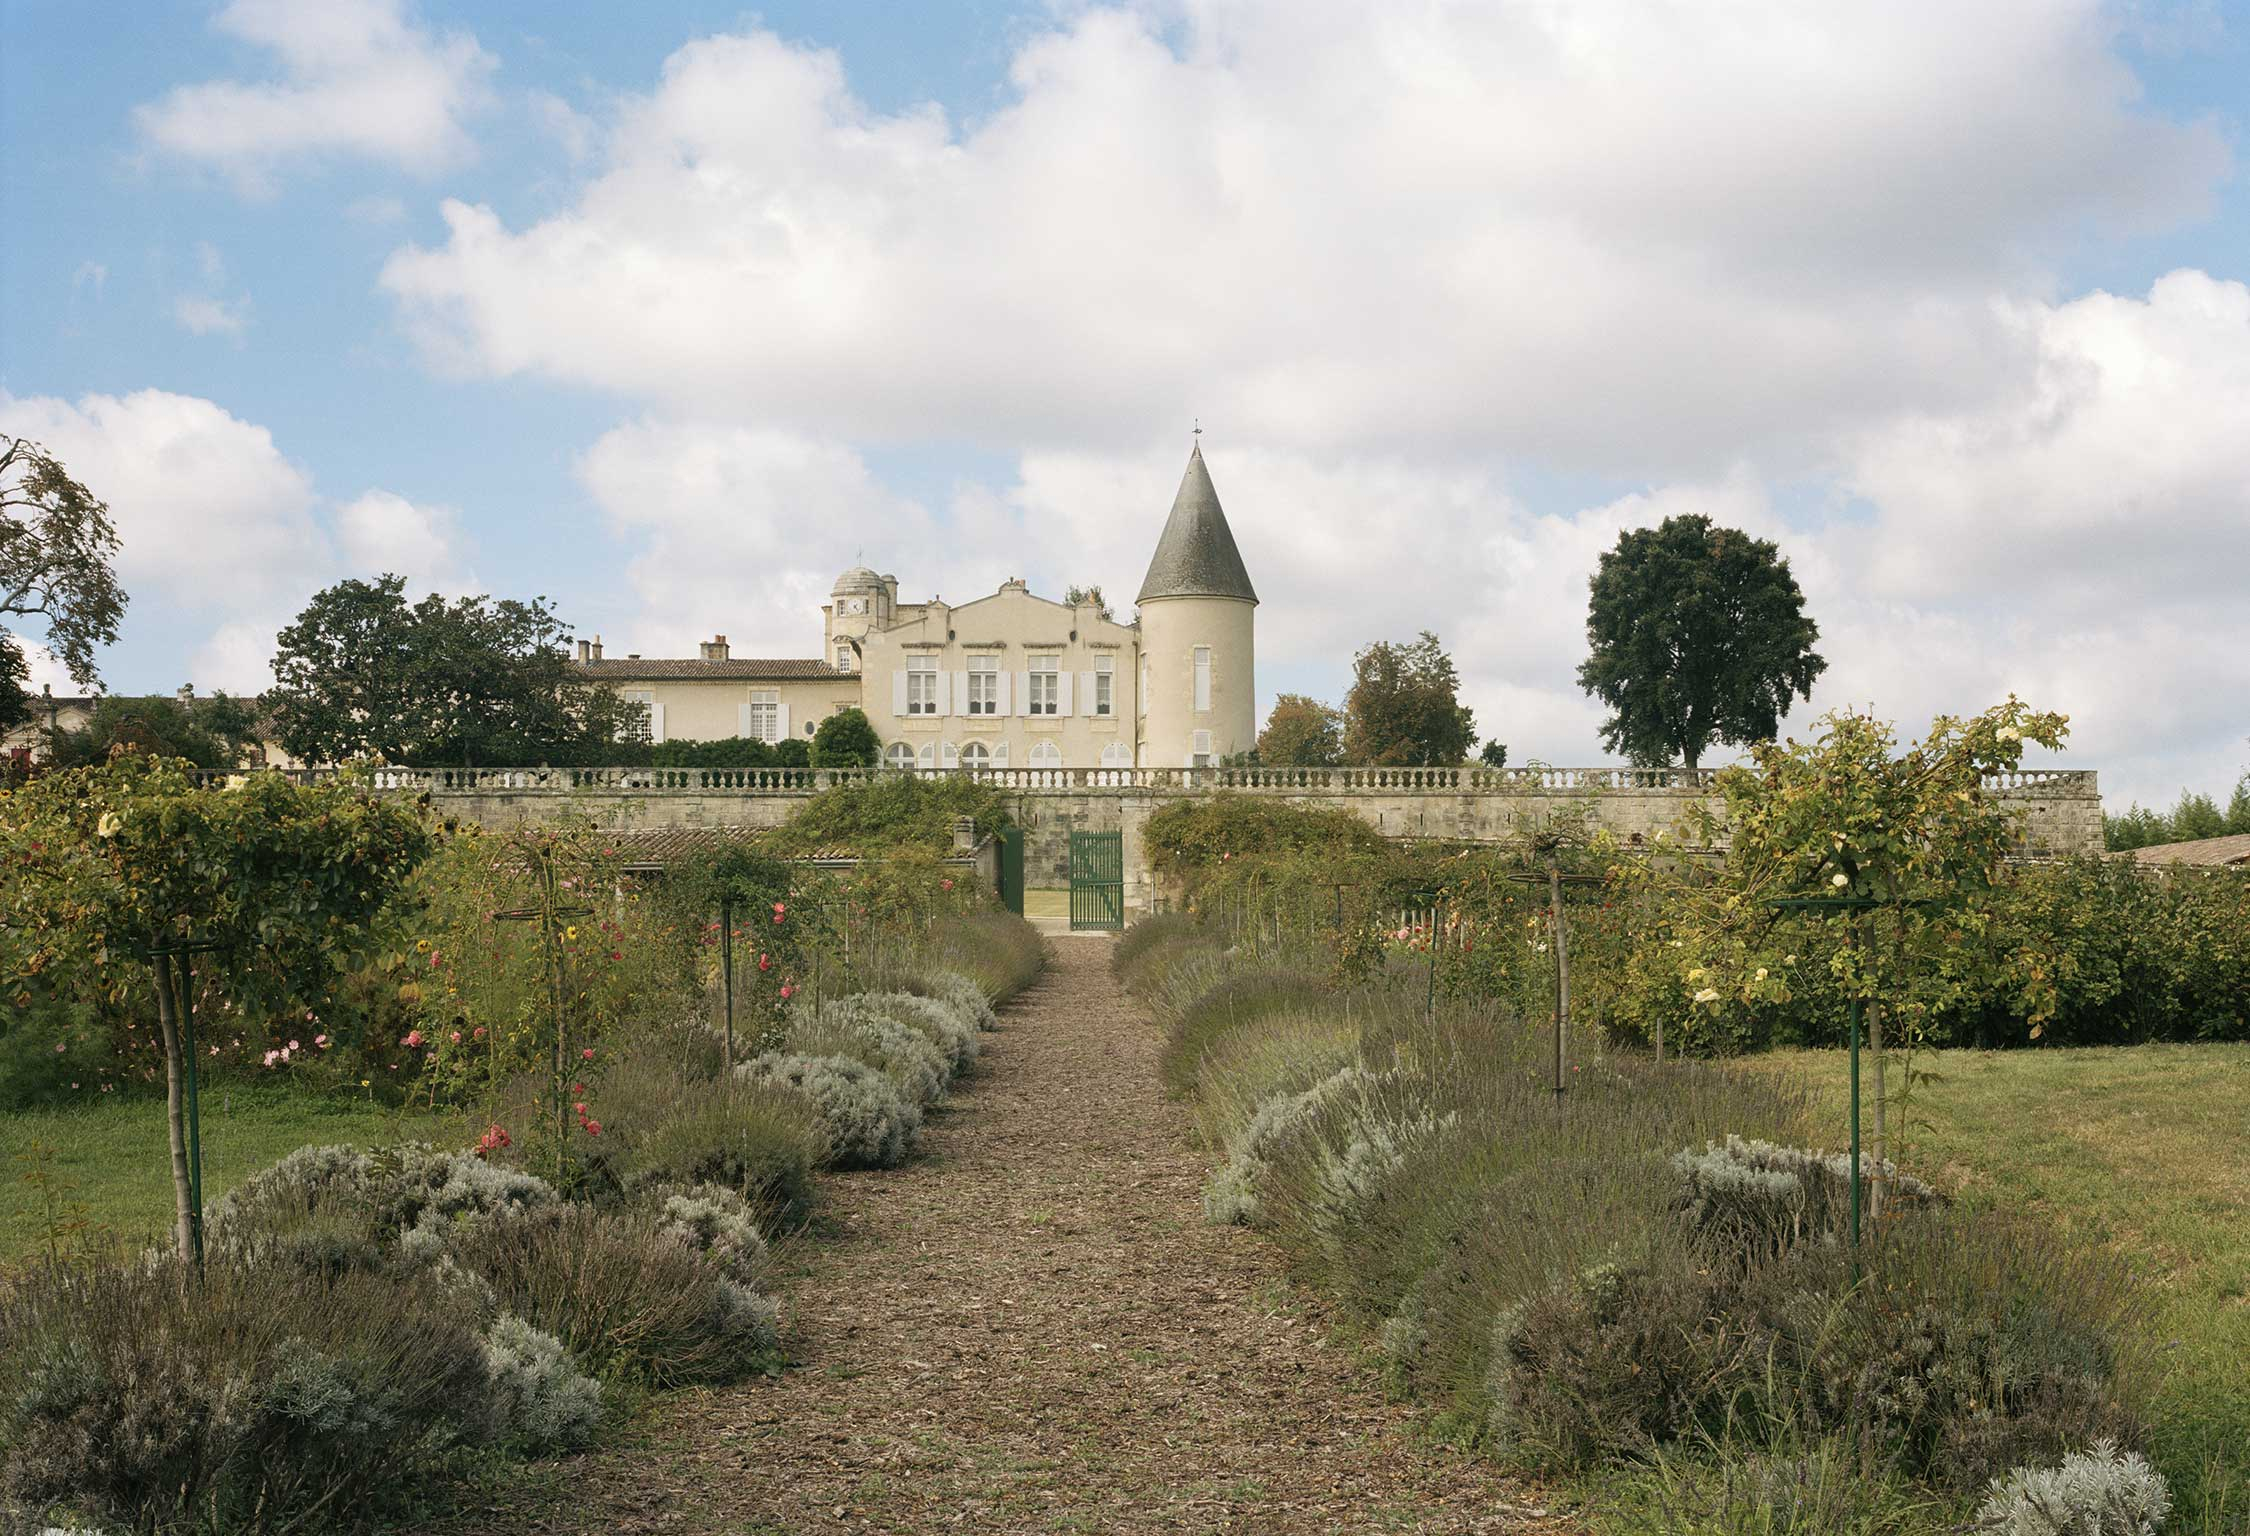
x=2101, y=1492
x=949, y=1027
x=621, y=1294
x=760, y=1140
x=540, y=1402
x=1750, y=1200
x=1267, y=1058
x=866, y=1032
x=249, y=1398
x=1232, y=1198
x=998, y=951
x=1144, y=946
x=867, y=1121
x=1239, y=999
x=332, y=1208
x=717, y=1223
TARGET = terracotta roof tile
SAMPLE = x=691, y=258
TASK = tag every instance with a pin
x=2211, y=852
x=782, y=669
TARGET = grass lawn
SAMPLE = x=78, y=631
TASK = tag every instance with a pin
x=1046, y=903
x=106, y=1164
x=2144, y=1148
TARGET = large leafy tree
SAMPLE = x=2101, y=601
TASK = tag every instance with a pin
x=56, y=548
x=214, y=732
x=1405, y=707
x=1699, y=635
x=282, y=881
x=1302, y=732
x=364, y=673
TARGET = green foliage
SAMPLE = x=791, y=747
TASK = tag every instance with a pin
x=846, y=740
x=215, y=732
x=1698, y=634
x=760, y=1142
x=1187, y=837
x=1301, y=732
x=540, y=1402
x=998, y=951
x=1404, y=708
x=1077, y=597
x=363, y=673
x=1494, y=754
x=57, y=548
x=894, y=811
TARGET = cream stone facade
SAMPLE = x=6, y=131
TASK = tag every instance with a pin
x=1009, y=681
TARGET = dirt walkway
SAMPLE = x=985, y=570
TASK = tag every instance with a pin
x=1030, y=1329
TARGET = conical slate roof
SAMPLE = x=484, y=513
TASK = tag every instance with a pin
x=1196, y=556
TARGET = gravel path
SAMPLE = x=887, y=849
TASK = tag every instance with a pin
x=1029, y=1328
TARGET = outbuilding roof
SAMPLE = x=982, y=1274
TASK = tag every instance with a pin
x=2209, y=852
x=1196, y=556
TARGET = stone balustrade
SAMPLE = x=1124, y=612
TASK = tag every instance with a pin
x=2060, y=782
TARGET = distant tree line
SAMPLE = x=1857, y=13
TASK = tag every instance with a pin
x=2194, y=818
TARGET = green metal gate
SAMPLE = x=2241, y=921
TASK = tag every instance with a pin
x=1011, y=870
x=1097, y=881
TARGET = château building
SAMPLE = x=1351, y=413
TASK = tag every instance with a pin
x=1013, y=680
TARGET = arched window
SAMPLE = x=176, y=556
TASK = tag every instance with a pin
x=900, y=754
x=976, y=757
x=1117, y=755
x=1046, y=754
x=927, y=758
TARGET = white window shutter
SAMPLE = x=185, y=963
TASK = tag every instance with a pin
x=656, y=722
x=1023, y=699
x=781, y=722
x=961, y=691
x=951, y=757
x=898, y=694
x=944, y=703
x=742, y=719
x=1000, y=755
x=1088, y=698
x=1062, y=693
x=1002, y=704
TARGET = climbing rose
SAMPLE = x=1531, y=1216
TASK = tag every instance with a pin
x=586, y=1054
x=787, y=992
x=593, y=1127
x=1839, y=880
x=1707, y=995
x=413, y=1039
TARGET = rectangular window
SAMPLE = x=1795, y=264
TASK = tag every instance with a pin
x=921, y=685
x=1046, y=686
x=984, y=685
x=1104, y=671
x=640, y=724
x=1202, y=677
x=843, y=655
x=1202, y=756
x=765, y=714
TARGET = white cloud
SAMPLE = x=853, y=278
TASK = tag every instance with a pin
x=570, y=128
x=375, y=209
x=381, y=532
x=221, y=536
x=1623, y=235
x=202, y=315
x=357, y=79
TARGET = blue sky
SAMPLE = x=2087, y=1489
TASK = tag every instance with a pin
x=669, y=311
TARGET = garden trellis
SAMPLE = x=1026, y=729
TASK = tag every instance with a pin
x=553, y=919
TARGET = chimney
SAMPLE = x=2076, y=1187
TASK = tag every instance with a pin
x=715, y=648
x=597, y=656
x=585, y=650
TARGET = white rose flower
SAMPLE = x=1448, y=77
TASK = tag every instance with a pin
x=2010, y=733
x=1839, y=880
x=108, y=826
x=1707, y=995
x=1761, y=973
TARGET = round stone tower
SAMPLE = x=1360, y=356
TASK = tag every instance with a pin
x=1199, y=685
x=859, y=602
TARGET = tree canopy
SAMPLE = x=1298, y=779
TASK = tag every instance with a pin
x=56, y=548
x=1404, y=708
x=214, y=732
x=283, y=881
x=846, y=740
x=1077, y=595
x=364, y=673
x=1494, y=754
x=1698, y=634
x=1301, y=732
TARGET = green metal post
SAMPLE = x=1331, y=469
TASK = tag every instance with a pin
x=1855, y=1138
x=726, y=966
x=186, y=1008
